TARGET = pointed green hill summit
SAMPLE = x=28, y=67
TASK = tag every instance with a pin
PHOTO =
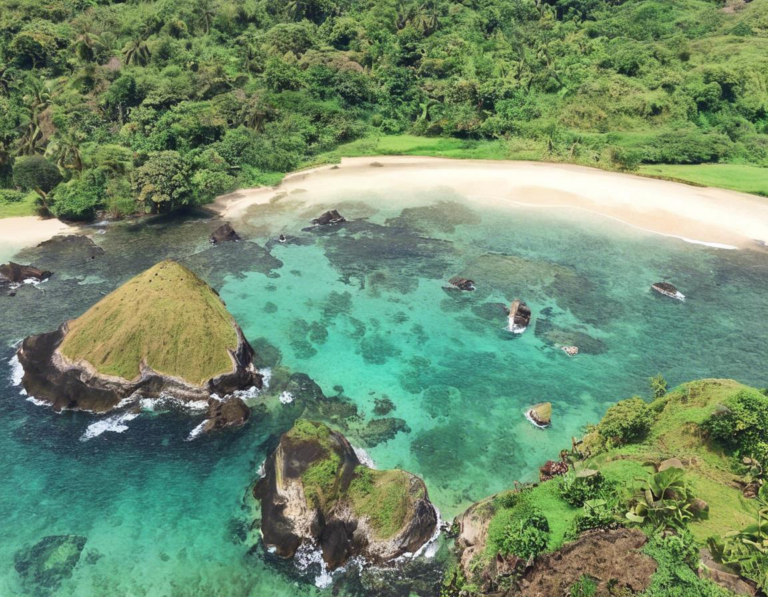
x=167, y=318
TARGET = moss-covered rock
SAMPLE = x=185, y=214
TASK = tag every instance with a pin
x=316, y=491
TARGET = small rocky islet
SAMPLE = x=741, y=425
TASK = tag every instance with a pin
x=137, y=343
x=316, y=492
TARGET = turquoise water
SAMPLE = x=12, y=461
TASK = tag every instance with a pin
x=362, y=311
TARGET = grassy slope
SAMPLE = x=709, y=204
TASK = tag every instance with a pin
x=675, y=434
x=166, y=316
x=26, y=207
x=737, y=177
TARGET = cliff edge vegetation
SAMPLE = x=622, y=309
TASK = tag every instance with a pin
x=667, y=498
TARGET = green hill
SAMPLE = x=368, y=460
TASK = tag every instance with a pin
x=149, y=106
x=166, y=317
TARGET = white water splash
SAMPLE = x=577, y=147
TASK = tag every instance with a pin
x=115, y=424
x=514, y=328
x=364, y=457
x=17, y=371
x=35, y=401
x=166, y=402
x=197, y=431
x=286, y=397
x=534, y=423
x=309, y=555
x=266, y=377
x=262, y=469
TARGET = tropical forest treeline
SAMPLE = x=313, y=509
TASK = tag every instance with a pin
x=152, y=105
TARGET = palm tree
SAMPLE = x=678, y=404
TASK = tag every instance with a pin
x=427, y=19
x=256, y=113
x=37, y=95
x=6, y=79
x=65, y=148
x=207, y=9
x=32, y=140
x=87, y=46
x=136, y=53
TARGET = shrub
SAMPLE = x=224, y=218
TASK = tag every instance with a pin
x=626, y=421
x=80, y=197
x=741, y=425
x=587, y=484
x=527, y=537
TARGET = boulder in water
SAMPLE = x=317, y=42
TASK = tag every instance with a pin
x=519, y=316
x=571, y=351
x=462, y=283
x=669, y=290
x=316, y=492
x=223, y=234
x=231, y=412
x=329, y=218
x=540, y=414
x=13, y=273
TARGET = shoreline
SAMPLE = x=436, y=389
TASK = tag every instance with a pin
x=709, y=216
x=27, y=231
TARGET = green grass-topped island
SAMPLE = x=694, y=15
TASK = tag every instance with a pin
x=164, y=332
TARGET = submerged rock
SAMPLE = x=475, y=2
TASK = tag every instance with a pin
x=49, y=562
x=75, y=245
x=669, y=290
x=13, y=273
x=519, y=316
x=315, y=492
x=224, y=234
x=462, y=283
x=163, y=332
x=540, y=414
x=379, y=431
x=329, y=218
x=232, y=412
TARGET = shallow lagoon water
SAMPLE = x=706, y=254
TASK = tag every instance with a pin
x=361, y=310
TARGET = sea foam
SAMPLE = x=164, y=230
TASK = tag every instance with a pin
x=115, y=423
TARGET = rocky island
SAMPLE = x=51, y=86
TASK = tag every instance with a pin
x=316, y=492
x=163, y=332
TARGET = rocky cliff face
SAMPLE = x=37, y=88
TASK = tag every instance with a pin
x=316, y=491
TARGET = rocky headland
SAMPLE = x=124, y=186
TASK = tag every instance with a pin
x=316, y=492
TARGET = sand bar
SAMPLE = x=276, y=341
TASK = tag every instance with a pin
x=717, y=217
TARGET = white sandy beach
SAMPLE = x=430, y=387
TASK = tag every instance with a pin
x=717, y=217
x=27, y=231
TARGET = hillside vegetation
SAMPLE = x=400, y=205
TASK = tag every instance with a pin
x=686, y=469
x=154, y=105
x=166, y=317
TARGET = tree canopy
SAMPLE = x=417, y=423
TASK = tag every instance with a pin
x=239, y=90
